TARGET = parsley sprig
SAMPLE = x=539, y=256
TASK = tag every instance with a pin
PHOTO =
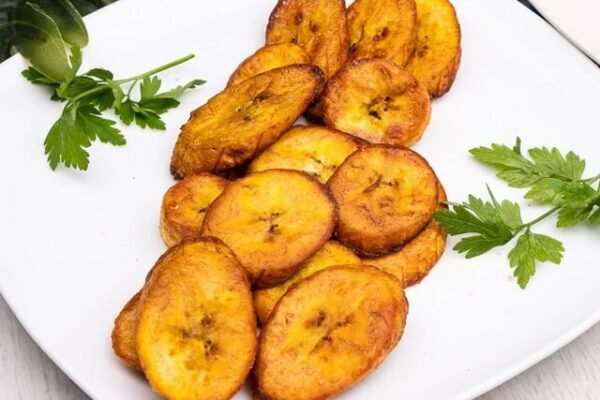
x=552, y=179
x=50, y=35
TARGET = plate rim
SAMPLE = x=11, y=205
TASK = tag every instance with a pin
x=543, y=11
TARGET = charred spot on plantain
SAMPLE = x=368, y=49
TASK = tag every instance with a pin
x=207, y=320
x=373, y=183
x=210, y=348
x=378, y=181
x=271, y=217
x=247, y=118
x=382, y=34
x=259, y=98
x=202, y=210
x=346, y=321
x=317, y=320
x=273, y=228
x=298, y=18
x=322, y=163
x=379, y=105
x=353, y=48
x=422, y=51
x=374, y=114
x=313, y=26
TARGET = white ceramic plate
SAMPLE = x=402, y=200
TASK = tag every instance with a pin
x=75, y=246
x=577, y=20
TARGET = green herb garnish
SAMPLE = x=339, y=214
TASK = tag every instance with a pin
x=50, y=35
x=553, y=179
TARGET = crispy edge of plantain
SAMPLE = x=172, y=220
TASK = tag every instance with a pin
x=123, y=333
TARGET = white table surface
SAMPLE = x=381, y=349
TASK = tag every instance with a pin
x=26, y=373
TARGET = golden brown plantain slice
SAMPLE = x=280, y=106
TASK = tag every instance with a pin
x=316, y=150
x=318, y=26
x=184, y=206
x=383, y=29
x=329, y=331
x=123, y=334
x=267, y=58
x=196, y=334
x=273, y=221
x=386, y=195
x=413, y=262
x=437, y=53
x=377, y=101
x=238, y=123
x=332, y=253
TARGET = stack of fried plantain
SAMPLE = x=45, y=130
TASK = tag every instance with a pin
x=315, y=229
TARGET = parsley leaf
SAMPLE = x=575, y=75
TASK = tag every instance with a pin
x=100, y=73
x=179, y=90
x=564, y=193
x=146, y=112
x=552, y=178
x=102, y=100
x=149, y=87
x=552, y=163
x=65, y=143
x=50, y=35
x=512, y=167
x=482, y=218
x=89, y=121
x=36, y=77
x=75, y=87
x=521, y=172
x=532, y=247
x=595, y=217
x=571, y=216
x=74, y=131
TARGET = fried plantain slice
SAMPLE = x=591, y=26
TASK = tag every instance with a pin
x=437, y=54
x=386, y=195
x=267, y=58
x=184, y=206
x=196, y=333
x=123, y=334
x=377, y=101
x=415, y=259
x=329, y=331
x=238, y=123
x=273, y=221
x=332, y=253
x=318, y=26
x=316, y=150
x=383, y=29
